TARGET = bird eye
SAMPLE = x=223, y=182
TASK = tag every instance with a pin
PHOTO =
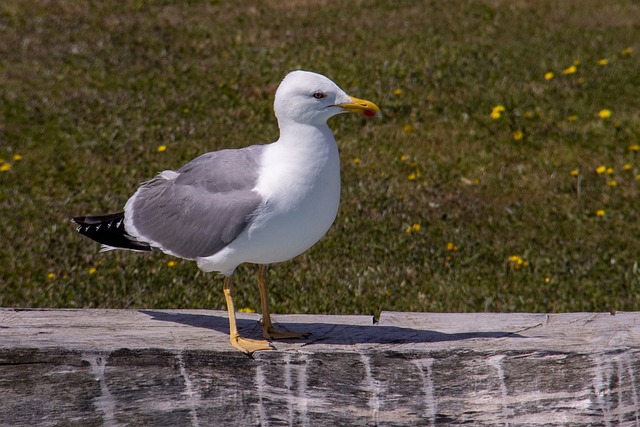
x=319, y=95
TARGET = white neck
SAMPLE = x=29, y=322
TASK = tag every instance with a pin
x=296, y=133
x=304, y=156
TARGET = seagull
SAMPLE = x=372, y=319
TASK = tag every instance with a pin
x=261, y=204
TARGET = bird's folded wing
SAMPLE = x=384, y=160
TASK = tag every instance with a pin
x=199, y=209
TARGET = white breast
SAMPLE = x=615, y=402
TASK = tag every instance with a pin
x=300, y=185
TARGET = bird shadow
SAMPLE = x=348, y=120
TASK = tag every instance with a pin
x=329, y=333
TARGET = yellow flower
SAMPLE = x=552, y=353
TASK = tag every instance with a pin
x=547, y=279
x=93, y=270
x=451, y=247
x=161, y=148
x=404, y=157
x=638, y=177
x=171, y=264
x=408, y=128
x=412, y=228
x=412, y=177
x=17, y=157
x=5, y=167
x=497, y=111
x=570, y=70
x=51, y=276
x=548, y=75
x=626, y=167
x=601, y=169
x=604, y=114
x=609, y=171
x=572, y=118
x=627, y=51
x=612, y=183
x=247, y=310
x=575, y=172
x=603, y=62
x=185, y=110
x=518, y=135
x=397, y=92
x=600, y=212
x=517, y=261
x=634, y=147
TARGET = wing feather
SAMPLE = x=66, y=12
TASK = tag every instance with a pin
x=199, y=209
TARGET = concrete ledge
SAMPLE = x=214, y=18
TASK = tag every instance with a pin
x=176, y=368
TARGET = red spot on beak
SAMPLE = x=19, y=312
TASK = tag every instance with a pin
x=369, y=113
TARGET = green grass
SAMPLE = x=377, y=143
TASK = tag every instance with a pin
x=88, y=91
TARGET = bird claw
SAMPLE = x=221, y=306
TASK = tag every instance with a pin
x=248, y=346
x=271, y=333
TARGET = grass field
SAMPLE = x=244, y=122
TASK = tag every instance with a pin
x=505, y=175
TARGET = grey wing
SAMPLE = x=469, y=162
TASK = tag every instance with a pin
x=199, y=209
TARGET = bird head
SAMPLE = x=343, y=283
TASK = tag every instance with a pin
x=310, y=98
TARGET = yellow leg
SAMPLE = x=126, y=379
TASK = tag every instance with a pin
x=245, y=345
x=268, y=330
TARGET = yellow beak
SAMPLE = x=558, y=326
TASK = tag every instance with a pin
x=362, y=106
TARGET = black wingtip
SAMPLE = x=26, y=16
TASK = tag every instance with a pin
x=108, y=230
